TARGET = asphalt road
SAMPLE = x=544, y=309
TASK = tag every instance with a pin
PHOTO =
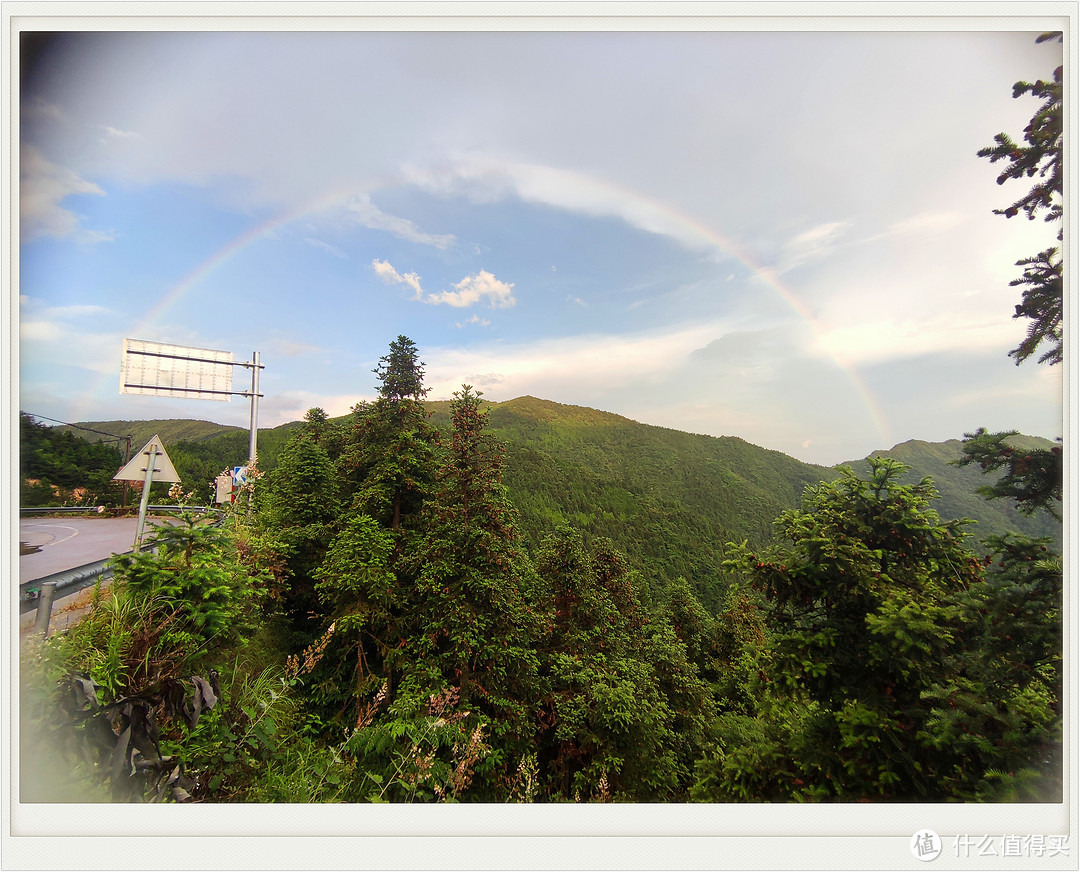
x=66, y=542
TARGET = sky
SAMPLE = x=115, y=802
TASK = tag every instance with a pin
x=781, y=236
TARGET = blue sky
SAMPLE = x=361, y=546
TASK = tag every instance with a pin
x=785, y=237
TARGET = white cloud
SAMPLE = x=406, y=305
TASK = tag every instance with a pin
x=468, y=292
x=573, y=369
x=39, y=331
x=869, y=342
x=112, y=133
x=813, y=244
x=391, y=276
x=40, y=322
x=38, y=108
x=42, y=187
x=474, y=289
x=928, y=222
x=325, y=246
x=362, y=211
x=93, y=237
x=73, y=312
x=486, y=179
x=475, y=319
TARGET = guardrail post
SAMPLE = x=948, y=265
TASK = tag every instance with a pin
x=44, y=608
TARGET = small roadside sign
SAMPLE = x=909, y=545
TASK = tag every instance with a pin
x=224, y=487
x=239, y=476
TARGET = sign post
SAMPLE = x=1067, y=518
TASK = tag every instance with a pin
x=162, y=370
x=158, y=468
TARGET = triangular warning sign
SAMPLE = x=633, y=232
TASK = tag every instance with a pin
x=135, y=469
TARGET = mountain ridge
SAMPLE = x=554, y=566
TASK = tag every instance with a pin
x=669, y=499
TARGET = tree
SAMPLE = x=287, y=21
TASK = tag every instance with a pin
x=1032, y=476
x=389, y=456
x=401, y=372
x=57, y=466
x=862, y=605
x=362, y=602
x=1023, y=573
x=470, y=627
x=301, y=507
x=999, y=705
x=453, y=633
x=624, y=710
x=1041, y=158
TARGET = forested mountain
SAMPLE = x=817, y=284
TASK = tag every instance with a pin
x=666, y=498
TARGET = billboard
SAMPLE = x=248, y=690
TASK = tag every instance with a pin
x=175, y=371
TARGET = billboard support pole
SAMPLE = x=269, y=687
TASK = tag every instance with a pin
x=253, y=443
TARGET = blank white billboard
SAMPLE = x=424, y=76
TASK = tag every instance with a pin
x=175, y=371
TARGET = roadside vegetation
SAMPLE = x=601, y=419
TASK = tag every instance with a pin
x=369, y=624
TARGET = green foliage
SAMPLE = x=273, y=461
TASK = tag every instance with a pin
x=892, y=671
x=426, y=750
x=467, y=624
x=862, y=602
x=624, y=711
x=191, y=593
x=299, y=508
x=252, y=748
x=1033, y=477
x=1002, y=706
x=135, y=678
x=1041, y=159
x=58, y=467
x=362, y=600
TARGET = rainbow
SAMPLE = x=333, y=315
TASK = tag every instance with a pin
x=591, y=195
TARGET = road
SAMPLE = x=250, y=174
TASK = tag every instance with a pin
x=67, y=542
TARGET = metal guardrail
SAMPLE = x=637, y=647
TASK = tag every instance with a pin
x=92, y=510
x=67, y=582
x=58, y=510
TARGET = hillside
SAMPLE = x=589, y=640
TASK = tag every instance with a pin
x=169, y=429
x=668, y=499
x=958, y=486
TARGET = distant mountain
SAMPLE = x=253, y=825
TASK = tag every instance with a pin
x=169, y=429
x=669, y=500
x=958, y=486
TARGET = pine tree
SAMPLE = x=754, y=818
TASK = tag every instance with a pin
x=862, y=602
x=389, y=455
x=467, y=626
x=623, y=711
x=1040, y=158
x=362, y=603
x=300, y=508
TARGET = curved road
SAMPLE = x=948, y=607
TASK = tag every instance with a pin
x=65, y=543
